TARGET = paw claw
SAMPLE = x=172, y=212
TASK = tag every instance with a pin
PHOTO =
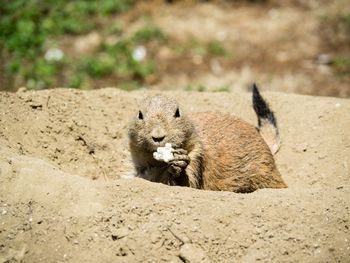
x=179, y=162
x=174, y=170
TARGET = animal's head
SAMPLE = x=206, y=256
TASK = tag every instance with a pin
x=159, y=121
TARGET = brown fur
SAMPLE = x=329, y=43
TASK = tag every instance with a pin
x=214, y=151
x=270, y=135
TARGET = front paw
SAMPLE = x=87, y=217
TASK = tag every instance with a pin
x=179, y=162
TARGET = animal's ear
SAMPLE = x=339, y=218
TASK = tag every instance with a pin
x=140, y=115
x=177, y=113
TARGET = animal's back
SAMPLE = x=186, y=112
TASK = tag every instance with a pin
x=236, y=157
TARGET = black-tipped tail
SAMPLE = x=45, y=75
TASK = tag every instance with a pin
x=267, y=123
x=261, y=107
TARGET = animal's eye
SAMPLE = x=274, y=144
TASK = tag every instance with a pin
x=140, y=116
x=177, y=113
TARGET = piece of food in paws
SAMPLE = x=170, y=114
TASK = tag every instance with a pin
x=164, y=153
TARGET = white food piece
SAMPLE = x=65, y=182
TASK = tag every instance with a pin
x=164, y=153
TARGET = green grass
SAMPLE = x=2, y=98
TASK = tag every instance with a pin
x=342, y=65
x=129, y=85
x=27, y=27
x=97, y=67
x=148, y=33
x=202, y=88
x=118, y=59
x=215, y=48
x=224, y=88
x=337, y=21
x=196, y=87
x=196, y=47
x=335, y=35
x=335, y=29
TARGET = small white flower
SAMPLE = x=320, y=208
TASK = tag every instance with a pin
x=139, y=53
x=54, y=54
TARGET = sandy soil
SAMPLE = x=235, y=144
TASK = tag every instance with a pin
x=63, y=153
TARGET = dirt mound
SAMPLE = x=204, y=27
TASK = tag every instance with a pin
x=54, y=142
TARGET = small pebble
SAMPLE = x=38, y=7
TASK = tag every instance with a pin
x=324, y=59
x=192, y=253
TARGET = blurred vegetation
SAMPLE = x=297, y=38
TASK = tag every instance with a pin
x=34, y=55
x=335, y=35
x=202, y=88
x=342, y=65
x=38, y=46
x=335, y=30
x=29, y=28
x=196, y=47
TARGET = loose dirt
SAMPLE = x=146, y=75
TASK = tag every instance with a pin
x=64, y=154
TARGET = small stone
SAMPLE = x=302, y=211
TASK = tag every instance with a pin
x=322, y=155
x=324, y=59
x=302, y=147
x=191, y=253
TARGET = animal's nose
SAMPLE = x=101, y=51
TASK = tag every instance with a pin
x=158, y=138
x=158, y=134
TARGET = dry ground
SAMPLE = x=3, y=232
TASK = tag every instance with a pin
x=62, y=153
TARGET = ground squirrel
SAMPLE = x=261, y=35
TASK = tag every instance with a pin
x=212, y=151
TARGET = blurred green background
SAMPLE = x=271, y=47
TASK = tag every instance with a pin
x=176, y=44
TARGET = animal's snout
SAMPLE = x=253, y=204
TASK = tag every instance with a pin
x=158, y=139
x=158, y=134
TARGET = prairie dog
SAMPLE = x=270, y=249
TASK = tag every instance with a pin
x=212, y=151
